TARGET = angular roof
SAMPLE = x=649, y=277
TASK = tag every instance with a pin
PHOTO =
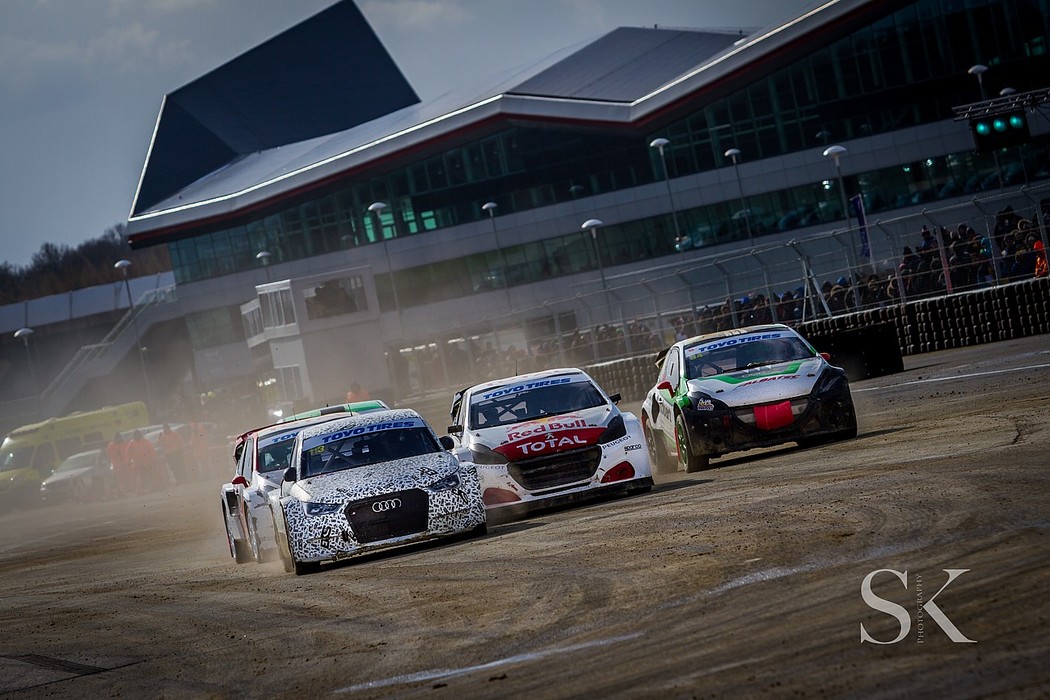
x=626, y=77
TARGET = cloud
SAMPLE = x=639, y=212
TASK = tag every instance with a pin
x=118, y=7
x=411, y=15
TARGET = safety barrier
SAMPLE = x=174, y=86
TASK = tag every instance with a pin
x=874, y=342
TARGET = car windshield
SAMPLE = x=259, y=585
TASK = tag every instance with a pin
x=504, y=407
x=706, y=359
x=368, y=448
x=16, y=459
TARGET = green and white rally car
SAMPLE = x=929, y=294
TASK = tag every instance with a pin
x=737, y=390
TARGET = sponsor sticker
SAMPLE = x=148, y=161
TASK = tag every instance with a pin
x=696, y=350
x=705, y=405
x=321, y=440
x=518, y=388
x=632, y=448
x=769, y=379
x=546, y=425
x=550, y=441
x=277, y=439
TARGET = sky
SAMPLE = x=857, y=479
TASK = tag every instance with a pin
x=81, y=81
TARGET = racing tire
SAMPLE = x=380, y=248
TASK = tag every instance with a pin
x=253, y=540
x=687, y=460
x=240, y=551
x=657, y=455
x=284, y=551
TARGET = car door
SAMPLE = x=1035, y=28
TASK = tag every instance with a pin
x=662, y=408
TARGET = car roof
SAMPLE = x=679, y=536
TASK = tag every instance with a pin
x=531, y=376
x=317, y=415
x=360, y=419
x=352, y=407
x=723, y=334
x=85, y=453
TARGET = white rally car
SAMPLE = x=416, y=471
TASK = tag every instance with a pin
x=365, y=483
x=261, y=457
x=548, y=438
x=735, y=390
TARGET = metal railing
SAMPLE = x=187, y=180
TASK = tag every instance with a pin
x=786, y=281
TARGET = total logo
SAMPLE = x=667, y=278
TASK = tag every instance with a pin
x=550, y=441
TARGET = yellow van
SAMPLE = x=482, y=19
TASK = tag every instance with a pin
x=30, y=453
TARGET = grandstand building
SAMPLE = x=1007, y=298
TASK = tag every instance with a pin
x=326, y=226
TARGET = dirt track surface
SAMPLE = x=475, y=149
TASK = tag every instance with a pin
x=742, y=580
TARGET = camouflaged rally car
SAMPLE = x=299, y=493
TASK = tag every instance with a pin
x=546, y=438
x=736, y=390
x=261, y=456
x=364, y=483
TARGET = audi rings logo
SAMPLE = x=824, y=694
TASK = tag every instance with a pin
x=384, y=506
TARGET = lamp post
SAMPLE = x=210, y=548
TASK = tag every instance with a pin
x=734, y=153
x=377, y=209
x=490, y=208
x=978, y=70
x=660, y=144
x=592, y=226
x=263, y=256
x=836, y=153
x=24, y=334
x=123, y=266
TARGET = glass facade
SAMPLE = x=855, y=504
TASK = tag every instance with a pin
x=905, y=69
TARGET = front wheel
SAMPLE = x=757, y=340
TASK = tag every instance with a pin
x=687, y=460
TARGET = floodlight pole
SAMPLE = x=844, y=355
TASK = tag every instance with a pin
x=660, y=144
x=734, y=153
x=123, y=266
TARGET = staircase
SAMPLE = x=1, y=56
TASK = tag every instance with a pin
x=102, y=358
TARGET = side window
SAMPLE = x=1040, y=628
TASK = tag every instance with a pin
x=68, y=446
x=43, y=458
x=245, y=467
x=671, y=364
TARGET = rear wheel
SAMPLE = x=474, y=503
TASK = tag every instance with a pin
x=687, y=460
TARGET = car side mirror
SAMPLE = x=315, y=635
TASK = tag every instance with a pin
x=826, y=356
x=289, y=475
x=665, y=386
x=447, y=442
x=239, y=481
x=615, y=398
x=455, y=430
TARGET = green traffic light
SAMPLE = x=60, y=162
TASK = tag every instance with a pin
x=983, y=128
x=1017, y=121
x=999, y=124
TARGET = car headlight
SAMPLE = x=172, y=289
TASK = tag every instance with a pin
x=445, y=483
x=316, y=509
x=616, y=430
x=483, y=455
